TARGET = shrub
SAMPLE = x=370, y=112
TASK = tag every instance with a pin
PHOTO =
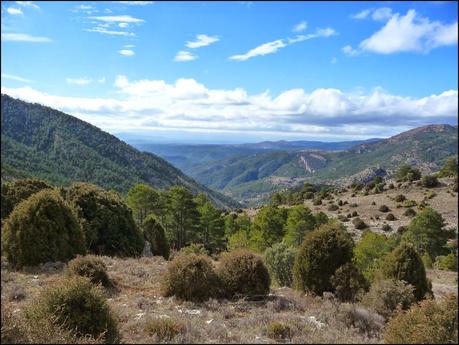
x=15, y=192
x=404, y=263
x=343, y=218
x=386, y=227
x=243, y=274
x=427, y=260
x=154, y=233
x=91, y=267
x=455, y=185
x=317, y=202
x=278, y=331
x=391, y=186
x=279, y=259
x=194, y=248
x=429, y=181
x=400, y=198
x=76, y=305
x=359, y=223
x=353, y=205
x=446, y=262
x=449, y=168
x=354, y=214
x=409, y=203
x=333, y=207
x=409, y=212
x=348, y=283
x=401, y=229
x=390, y=217
x=429, y=322
x=407, y=173
x=40, y=229
x=190, y=277
x=366, y=321
x=165, y=329
x=386, y=295
x=384, y=208
x=322, y=252
x=106, y=221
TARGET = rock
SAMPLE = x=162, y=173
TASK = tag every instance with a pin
x=147, y=250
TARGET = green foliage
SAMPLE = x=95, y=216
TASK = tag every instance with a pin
x=299, y=221
x=409, y=212
x=106, y=221
x=280, y=259
x=194, y=248
x=322, y=252
x=404, y=263
x=239, y=240
x=237, y=222
x=400, y=198
x=427, y=260
x=165, y=329
x=407, y=173
x=427, y=234
x=269, y=223
x=386, y=295
x=15, y=192
x=211, y=227
x=42, y=228
x=190, y=277
x=409, y=203
x=348, y=283
x=91, y=267
x=449, y=168
x=359, y=223
x=243, y=274
x=143, y=200
x=429, y=181
x=77, y=305
x=446, y=262
x=429, y=322
x=154, y=233
x=390, y=217
x=278, y=331
x=369, y=251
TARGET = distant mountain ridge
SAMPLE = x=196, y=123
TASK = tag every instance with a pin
x=43, y=142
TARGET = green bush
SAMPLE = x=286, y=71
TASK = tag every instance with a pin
x=243, y=274
x=446, y=262
x=333, y=207
x=322, y=252
x=194, y=248
x=390, y=217
x=154, y=233
x=40, y=229
x=76, y=305
x=348, y=283
x=13, y=193
x=165, y=329
x=279, y=259
x=359, y=223
x=449, y=168
x=428, y=322
x=400, y=198
x=409, y=212
x=386, y=227
x=427, y=260
x=409, y=203
x=91, y=267
x=386, y=295
x=404, y=263
x=278, y=331
x=384, y=208
x=190, y=277
x=429, y=181
x=106, y=221
x=407, y=173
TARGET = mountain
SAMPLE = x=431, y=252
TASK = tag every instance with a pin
x=251, y=172
x=42, y=142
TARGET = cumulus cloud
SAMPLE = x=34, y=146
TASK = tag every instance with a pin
x=274, y=46
x=361, y=15
x=190, y=105
x=202, y=41
x=127, y=52
x=18, y=37
x=408, y=33
x=300, y=27
x=14, y=11
x=184, y=56
x=378, y=14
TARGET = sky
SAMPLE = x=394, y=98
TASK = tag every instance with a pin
x=236, y=71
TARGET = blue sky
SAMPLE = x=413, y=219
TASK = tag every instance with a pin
x=236, y=71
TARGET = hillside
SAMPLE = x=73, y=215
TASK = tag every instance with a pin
x=251, y=177
x=45, y=143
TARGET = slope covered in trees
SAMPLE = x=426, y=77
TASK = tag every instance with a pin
x=38, y=141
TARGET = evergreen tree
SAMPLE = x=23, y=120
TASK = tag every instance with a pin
x=211, y=227
x=142, y=199
x=299, y=221
x=269, y=225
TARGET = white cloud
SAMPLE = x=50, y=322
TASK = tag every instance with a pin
x=122, y=18
x=410, y=33
x=16, y=78
x=85, y=7
x=27, y=4
x=349, y=51
x=101, y=80
x=361, y=15
x=14, y=11
x=127, y=52
x=138, y=3
x=123, y=25
x=202, y=41
x=274, y=46
x=78, y=81
x=16, y=37
x=190, y=105
x=129, y=46
x=185, y=56
x=109, y=32
x=382, y=14
x=300, y=27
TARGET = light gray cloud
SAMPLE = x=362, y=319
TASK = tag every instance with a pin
x=19, y=37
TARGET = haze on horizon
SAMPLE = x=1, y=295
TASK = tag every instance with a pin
x=206, y=72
